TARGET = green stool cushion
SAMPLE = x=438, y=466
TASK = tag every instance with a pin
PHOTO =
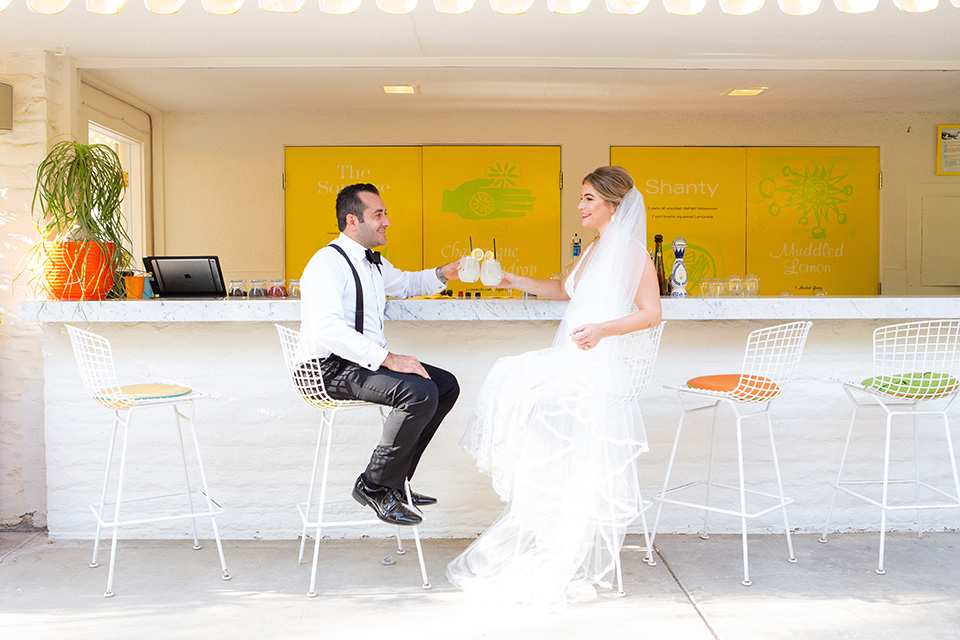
x=913, y=385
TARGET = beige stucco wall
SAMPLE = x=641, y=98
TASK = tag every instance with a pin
x=35, y=77
x=224, y=192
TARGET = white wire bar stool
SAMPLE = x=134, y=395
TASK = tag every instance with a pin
x=769, y=363
x=308, y=384
x=916, y=367
x=638, y=351
x=95, y=362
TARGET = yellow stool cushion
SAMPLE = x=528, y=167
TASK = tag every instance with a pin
x=758, y=387
x=155, y=391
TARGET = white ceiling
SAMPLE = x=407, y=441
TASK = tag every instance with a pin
x=826, y=62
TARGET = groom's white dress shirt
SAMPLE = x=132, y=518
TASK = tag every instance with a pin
x=328, y=303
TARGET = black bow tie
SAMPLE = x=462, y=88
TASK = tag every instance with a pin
x=373, y=257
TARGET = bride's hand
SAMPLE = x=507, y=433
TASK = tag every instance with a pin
x=507, y=280
x=586, y=336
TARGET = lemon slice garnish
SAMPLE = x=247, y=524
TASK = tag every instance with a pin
x=477, y=254
x=488, y=255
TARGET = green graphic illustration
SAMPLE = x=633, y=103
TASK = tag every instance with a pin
x=816, y=192
x=492, y=197
x=700, y=264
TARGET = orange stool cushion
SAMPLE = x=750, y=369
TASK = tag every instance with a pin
x=757, y=387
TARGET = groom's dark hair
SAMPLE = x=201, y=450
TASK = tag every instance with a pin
x=349, y=202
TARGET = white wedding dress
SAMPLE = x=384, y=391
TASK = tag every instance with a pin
x=562, y=454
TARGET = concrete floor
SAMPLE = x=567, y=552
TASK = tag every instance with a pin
x=164, y=589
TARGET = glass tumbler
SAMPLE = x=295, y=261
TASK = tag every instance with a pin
x=718, y=287
x=734, y=286
x=258, y=289
x=751, y=284
x=294, y=290
x=278, y=289
x=238, y=289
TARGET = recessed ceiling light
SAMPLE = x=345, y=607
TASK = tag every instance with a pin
x=401, y=88
x=749, y=91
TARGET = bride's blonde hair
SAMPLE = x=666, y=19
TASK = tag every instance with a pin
x=612, y=183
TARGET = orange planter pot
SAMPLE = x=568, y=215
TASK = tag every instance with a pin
x=78, y=270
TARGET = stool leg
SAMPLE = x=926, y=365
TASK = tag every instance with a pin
x=666, y=482
x=116, y=512
x=313, y=480
x=416, y=540
x=648, y=557
x=400, y=550
x=843, y=461
x=225, y=575
x=713, y=439
x=312, y=593
x=783, y=499
x=883, y=499
x=953, y=457
x=916, y=467
x=743, y=504
x=186, y=476
x=103, y=494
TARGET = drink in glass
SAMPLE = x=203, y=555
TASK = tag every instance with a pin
x=490, y=273
x=469, y=269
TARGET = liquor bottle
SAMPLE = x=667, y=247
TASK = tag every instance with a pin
x=574, y=255
x=658, y=264
x=678, y=276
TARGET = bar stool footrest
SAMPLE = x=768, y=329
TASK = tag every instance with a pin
x=94, y=508
x=660, y=497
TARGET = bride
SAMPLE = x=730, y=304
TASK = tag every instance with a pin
x=561, y=456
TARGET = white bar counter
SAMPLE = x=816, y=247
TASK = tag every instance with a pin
x=495, y=309
x=258, y=437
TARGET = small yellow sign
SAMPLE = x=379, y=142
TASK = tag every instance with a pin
x=475, y=195
x=695, y=193
x=813, y=219
x=314, y=177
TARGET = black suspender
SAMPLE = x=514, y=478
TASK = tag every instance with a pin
x=358, y=323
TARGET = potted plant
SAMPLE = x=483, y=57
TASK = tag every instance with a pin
x=83, y=243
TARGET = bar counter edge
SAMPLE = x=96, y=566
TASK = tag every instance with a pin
x=760, y=308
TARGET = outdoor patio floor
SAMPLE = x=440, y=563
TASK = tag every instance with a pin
x=164, y=589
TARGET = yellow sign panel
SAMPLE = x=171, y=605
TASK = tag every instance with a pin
x=695, y=193
x=314, y=176
x=475, y=195
x=813, y=219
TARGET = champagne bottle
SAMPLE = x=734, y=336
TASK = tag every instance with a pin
x=658, y=264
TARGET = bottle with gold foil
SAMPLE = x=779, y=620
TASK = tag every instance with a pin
x=662, y=280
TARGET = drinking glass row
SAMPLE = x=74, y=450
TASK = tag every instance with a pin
x=260, y=289
x=733, y=286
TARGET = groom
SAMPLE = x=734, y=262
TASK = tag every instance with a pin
x=343, y=291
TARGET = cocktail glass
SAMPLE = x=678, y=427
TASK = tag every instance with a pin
x=490, y=272
x=469, y=269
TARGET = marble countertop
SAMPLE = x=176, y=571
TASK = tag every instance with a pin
x=760, y=308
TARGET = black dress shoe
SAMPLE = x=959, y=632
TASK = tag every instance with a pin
x=420, y=500
x=386, y=503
